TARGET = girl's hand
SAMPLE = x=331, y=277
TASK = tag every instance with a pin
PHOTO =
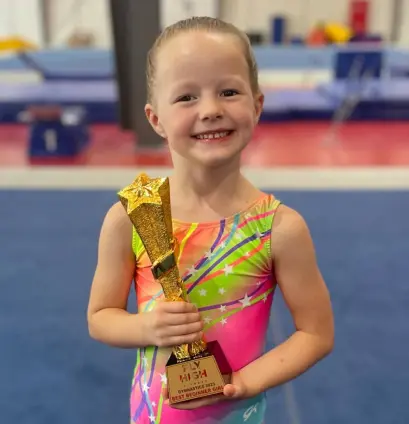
x=173, y=323
x=234, y=391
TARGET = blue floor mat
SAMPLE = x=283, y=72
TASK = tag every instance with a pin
x=51, y=372
x=98, y=98
x=84, y=77
x=378, y=100
x=59, y=92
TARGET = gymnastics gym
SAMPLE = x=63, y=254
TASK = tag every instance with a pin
x=333, y=143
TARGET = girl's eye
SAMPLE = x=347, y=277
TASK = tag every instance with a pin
x=186, y=98
x=229, y=93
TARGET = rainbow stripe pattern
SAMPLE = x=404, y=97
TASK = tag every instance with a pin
x=228, y=271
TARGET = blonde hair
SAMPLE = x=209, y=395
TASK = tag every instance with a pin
x=201, y=24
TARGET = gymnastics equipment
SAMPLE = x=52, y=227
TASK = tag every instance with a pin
x=56, y=132
x=354, y=69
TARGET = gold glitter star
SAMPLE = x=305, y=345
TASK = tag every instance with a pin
x=141, y=191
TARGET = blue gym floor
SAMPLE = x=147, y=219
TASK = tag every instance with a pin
x=52, y=372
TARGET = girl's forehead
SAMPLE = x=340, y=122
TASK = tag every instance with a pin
x=191, y=43
x=195, y=49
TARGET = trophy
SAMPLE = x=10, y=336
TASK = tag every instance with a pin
x=197, y=369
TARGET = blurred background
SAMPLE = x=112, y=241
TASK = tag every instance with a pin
x=332, y=143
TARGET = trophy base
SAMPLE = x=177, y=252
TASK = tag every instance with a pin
x=198, y=377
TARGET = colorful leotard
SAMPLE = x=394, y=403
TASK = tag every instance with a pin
x=228, y=271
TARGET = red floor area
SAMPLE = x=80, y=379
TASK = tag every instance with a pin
x=277, y=144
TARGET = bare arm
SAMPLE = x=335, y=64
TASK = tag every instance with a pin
x=308, y=300
x=168, y=324
x=108, y=320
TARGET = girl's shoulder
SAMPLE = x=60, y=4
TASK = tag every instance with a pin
x=117, y=227
x=117, y=218
x=289, y=230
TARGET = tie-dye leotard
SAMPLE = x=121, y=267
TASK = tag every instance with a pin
x=228, y=271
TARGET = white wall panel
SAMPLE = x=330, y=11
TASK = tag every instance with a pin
x=304, y=14
x=175, y=10
x=404, y=27
x=21, y=18
x=67, y=16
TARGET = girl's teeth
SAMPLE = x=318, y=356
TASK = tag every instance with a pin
x=212, y=136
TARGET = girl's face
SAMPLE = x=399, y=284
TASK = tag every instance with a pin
x=204, y=105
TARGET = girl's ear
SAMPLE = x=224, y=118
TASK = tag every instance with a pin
x=154, y=120
x=259, y=104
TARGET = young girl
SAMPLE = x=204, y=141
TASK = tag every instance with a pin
x=236, y=242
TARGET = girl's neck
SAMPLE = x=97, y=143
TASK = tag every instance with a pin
x=210, y=192
x=201, y=183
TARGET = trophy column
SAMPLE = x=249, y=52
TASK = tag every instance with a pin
x=198, y=369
